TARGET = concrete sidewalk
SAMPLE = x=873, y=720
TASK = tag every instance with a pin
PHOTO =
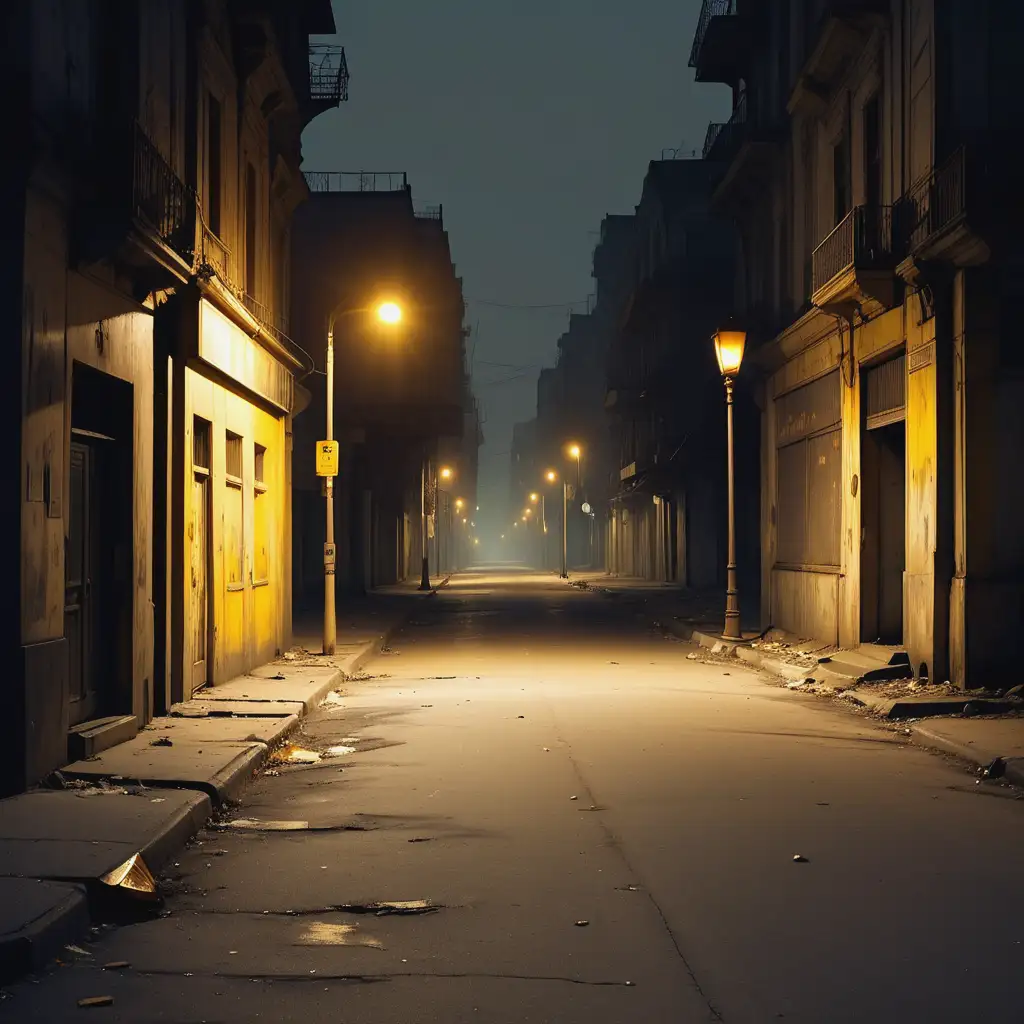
x=151, y=794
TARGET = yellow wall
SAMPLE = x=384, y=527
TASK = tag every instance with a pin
x=248, y=617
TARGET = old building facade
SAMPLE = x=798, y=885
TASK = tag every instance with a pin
x=143, y=282
x=878, y=260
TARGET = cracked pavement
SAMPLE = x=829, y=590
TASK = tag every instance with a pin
x=601, y=830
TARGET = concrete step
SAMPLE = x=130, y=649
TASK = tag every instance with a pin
x=91, y=738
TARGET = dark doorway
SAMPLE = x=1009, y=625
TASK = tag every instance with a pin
x=98, y=595
x=883, y=522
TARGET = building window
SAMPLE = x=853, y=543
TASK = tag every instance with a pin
x=251, y=242
x=200, y=445
x=260, y=518
x=214, y=150
x=234, y=535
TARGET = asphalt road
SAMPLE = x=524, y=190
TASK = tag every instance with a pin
x=605, y=831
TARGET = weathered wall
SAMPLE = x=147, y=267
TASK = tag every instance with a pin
x=107, y=331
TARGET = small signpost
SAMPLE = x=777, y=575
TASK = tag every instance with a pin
x=327, y=458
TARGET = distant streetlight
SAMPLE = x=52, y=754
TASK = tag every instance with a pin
x=534, y=498
x=447, y=474
x=729, y=345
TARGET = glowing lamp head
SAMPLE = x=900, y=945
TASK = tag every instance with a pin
x=729, y=344
x=535, y=498
x=574, y=451
x=551, y=476
x=389, y=313
x=445, y=473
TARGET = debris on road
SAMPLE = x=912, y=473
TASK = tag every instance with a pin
x=163, y=741
x=691, y=657
x=252, y=824
x=340, y=750
x=323, y=933
x=582, y=924
x=133, y=877
x=332, y=700
x=93, y=1001
x=799, y=858
x=385, y=908
x=116, y=965
x=574, y=798
x=295, y=755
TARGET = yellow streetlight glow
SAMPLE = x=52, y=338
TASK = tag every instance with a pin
x=534, y=498
x=476, y=540
x=445, y=473
x=459, y=503
x=729, y=345
x=574, y=451
x=389, y=313
x=552, y=476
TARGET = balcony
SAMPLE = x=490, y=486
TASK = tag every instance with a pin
x=944, y=215
x=833, y=40
x=163, y=205
x=856, y=263
x=718, y=53
x=328, y=75
x=356, y=181
x=723, y=140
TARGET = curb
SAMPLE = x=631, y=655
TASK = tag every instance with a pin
x=34, y=945
x=1013, y=767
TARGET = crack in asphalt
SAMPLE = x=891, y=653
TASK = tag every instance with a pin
x=616, y=843
x=376, y=979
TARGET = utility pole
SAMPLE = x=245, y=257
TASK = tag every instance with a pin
x=425, y=572
x=565, y=528
x=330, y=621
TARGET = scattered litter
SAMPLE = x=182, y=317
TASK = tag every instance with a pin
x=272, y=772
x=296, y=755
x=582, y=924
x=996, y=769
x=134, y=877
x=691, y=657
x=333, y=699
x=252, y=824
x=613, y=663
x=339, y=751
x=522, y=716
x=163, y=741
x=799, y=858
x=795, y=684
x=574, y=798
x=421, y=839
x=547, y=750
x=158, y=800
x=78, y=950
x=279, y=675
x=93, y=1001
x=116, y=965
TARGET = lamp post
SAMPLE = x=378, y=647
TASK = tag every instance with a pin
x=729, y=344
x=387, y=313
x=445, y=473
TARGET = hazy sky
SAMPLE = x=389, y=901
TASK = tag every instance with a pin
x=529, y=121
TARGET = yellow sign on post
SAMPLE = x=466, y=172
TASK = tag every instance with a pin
x=327, y=458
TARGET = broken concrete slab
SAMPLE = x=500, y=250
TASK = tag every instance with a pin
x=76, y=835
x=221, y=729
x=91, y=738
x=978, y=741
x=218, y=769
x=931, y=706
x=304, y=685
x=37, y=919
x=239, y=708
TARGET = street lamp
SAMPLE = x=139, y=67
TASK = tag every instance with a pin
x=551, y=476
x=445, y=473
x=729, y=344
x=387, y=313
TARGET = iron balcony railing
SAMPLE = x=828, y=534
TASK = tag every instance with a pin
x=936, y=201
x=428, y=213
x=216, y=256
x=711, y=9
x=862, y=238
x=328, y=73
x=356, y=181
x=161, y=199
x=275, y=324
x=723, y=138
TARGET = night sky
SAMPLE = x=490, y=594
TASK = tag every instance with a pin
x=529, y=122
